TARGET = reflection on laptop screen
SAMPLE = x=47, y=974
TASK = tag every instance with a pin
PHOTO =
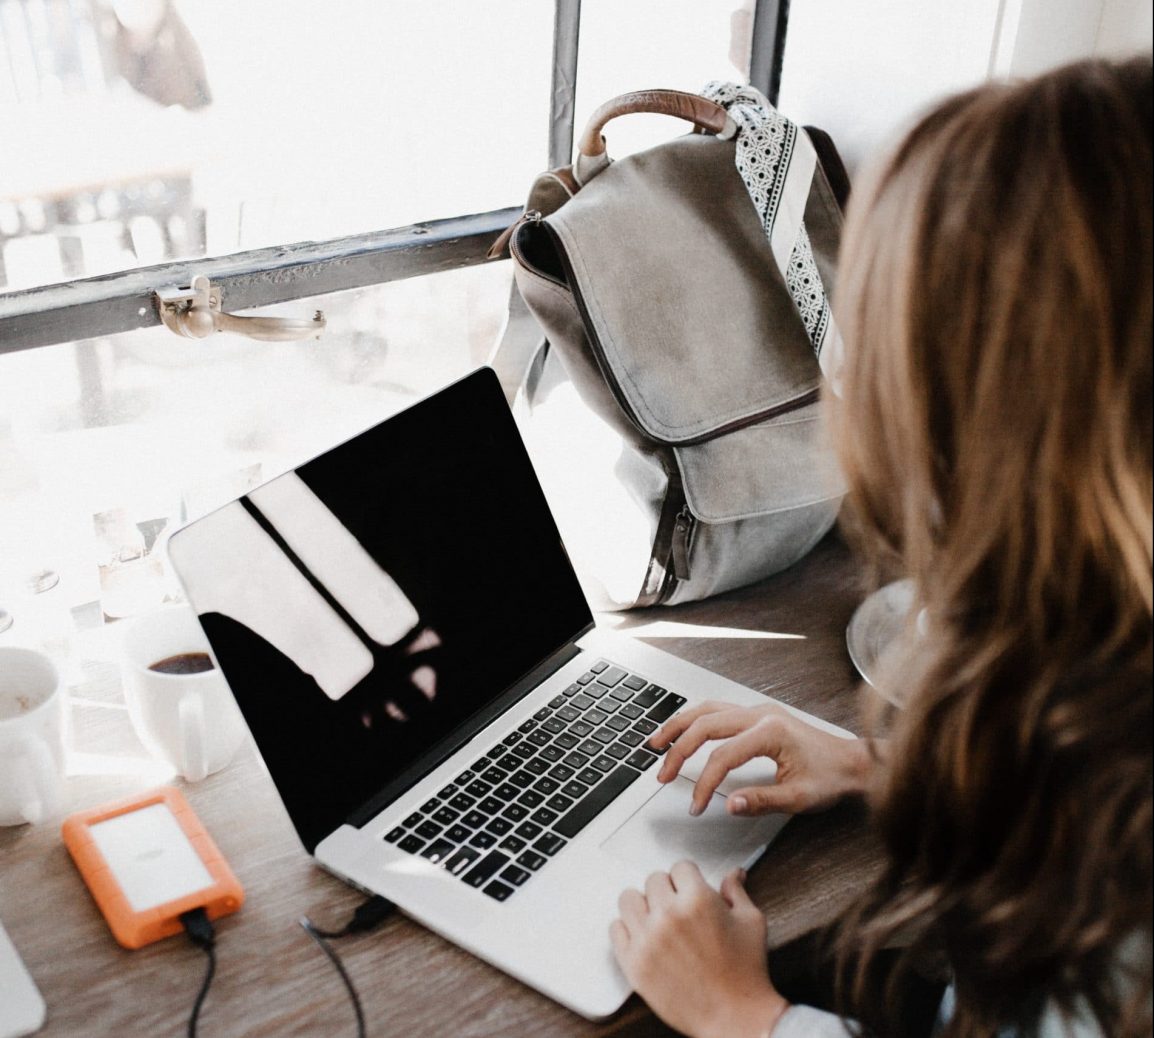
x=365, y=605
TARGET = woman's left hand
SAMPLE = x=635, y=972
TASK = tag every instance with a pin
x=697, y=956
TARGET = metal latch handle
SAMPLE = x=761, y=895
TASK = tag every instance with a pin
x=195, y=313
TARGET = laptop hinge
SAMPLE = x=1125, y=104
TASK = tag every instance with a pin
x=460, y=735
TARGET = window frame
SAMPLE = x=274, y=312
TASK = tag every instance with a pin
x=88, y=308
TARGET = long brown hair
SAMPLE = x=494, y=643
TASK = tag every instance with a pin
x=995, y=431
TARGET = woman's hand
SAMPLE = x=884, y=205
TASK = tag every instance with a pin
x=814, y=769
x=696, y=956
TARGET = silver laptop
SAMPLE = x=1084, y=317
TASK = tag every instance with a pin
x=409, y=645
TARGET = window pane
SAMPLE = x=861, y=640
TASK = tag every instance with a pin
x=636, y=45
x=160, y=129
x=104, y=443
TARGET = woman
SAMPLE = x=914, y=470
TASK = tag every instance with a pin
x=995, y=431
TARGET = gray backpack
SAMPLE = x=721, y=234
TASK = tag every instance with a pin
x=675, y=416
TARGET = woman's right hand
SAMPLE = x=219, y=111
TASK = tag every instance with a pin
x=814, y=768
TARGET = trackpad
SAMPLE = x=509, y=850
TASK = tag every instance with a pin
x=661, y=832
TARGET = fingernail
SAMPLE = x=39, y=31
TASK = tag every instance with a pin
x=695, y=809
x=740, y=805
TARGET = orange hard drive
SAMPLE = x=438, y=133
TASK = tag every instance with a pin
x=147, y=860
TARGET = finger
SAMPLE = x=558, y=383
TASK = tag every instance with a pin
x=753, y=742
x=788, y=798
x=619, y=938
x=734, y=892
x=687, y=877
x=658, y=889
x=633, y=908
x=672, y=728
x=720, y=725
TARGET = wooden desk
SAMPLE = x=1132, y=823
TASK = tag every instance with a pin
x=272, y=980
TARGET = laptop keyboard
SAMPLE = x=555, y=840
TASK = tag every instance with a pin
x=500, y=821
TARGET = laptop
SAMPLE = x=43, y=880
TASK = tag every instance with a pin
x=446, y=726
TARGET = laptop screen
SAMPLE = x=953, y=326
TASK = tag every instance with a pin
x=367, y=604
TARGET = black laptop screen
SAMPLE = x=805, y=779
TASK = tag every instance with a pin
x=368, y=604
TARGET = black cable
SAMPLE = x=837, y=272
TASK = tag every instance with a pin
x=199, y=929
x=369, y=913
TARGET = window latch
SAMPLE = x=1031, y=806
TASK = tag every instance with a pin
x=195, y=313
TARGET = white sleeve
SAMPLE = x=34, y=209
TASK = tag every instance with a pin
x=803, y=1022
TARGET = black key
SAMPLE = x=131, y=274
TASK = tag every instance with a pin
x=611, y=676
x=618, y=750
x=640, y=759
x=576, y=789
x=460, y=861
x=561, y=772
x=566, y=741
x=604, y=763
x=557, y=803
x=577, y=759
x=494, y=776
x=589, y=776
x=591, y=806
x=581, y=728
x=526, y=727
x=586, y=678
x=474, y=819
x=411, y=844
x=580, y=702
x=553, y=725
x=438, y=851
x=631, y=711
x=531, y=798
x=557, y=701
x=618, y=723
x=645, y=727
x=483, y=840
x=528, y=830
x=543, y=816
x=393, y=835
x=486, y=868
x=497, y=752
x=605, y=736
x=525, y=750
x=547, y=786
x=506, y=791
x=523, y=779
x=509, y=762
x=458, y=834
x=500, y=826
x=413, y=819
x=427, y=830
x=537, y=766
x=567, y=713
x=515, y=812
x=666, y=708
x=609, y=705
x=590, y=748
x=429, y=806
x=549, y=844
x=477, y=788
x=499, y=891
x=634, y=682
x=513, y=844
x=490, y=805
x=512, y=739
x=596, y=690
x=572, y=690
x=599, y=666
x=465, y=777
x=532, y=860
x=650, y=696
x=449, y=791
x=552, y=753
x=631, y=738
x=596, y=716
x=538, y=738
x=445, y=816
x=481, y=764
x=621, y=694
x=515, y=875
x=541, y=714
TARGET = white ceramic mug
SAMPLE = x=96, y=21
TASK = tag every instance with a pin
x=190, y=720
x=31, y=737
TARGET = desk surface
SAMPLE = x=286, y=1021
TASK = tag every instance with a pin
x=784, y=637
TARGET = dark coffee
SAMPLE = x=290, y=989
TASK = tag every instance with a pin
x=184, y=663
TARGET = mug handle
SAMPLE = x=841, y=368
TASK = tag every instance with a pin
x=193, y=759
x=37, y=783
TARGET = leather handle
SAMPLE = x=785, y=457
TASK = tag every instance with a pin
x=707, y=116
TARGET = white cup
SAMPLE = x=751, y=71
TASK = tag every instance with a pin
x=190, y=720
x=31, y=737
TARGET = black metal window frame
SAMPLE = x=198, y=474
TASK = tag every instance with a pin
x=91, y=307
